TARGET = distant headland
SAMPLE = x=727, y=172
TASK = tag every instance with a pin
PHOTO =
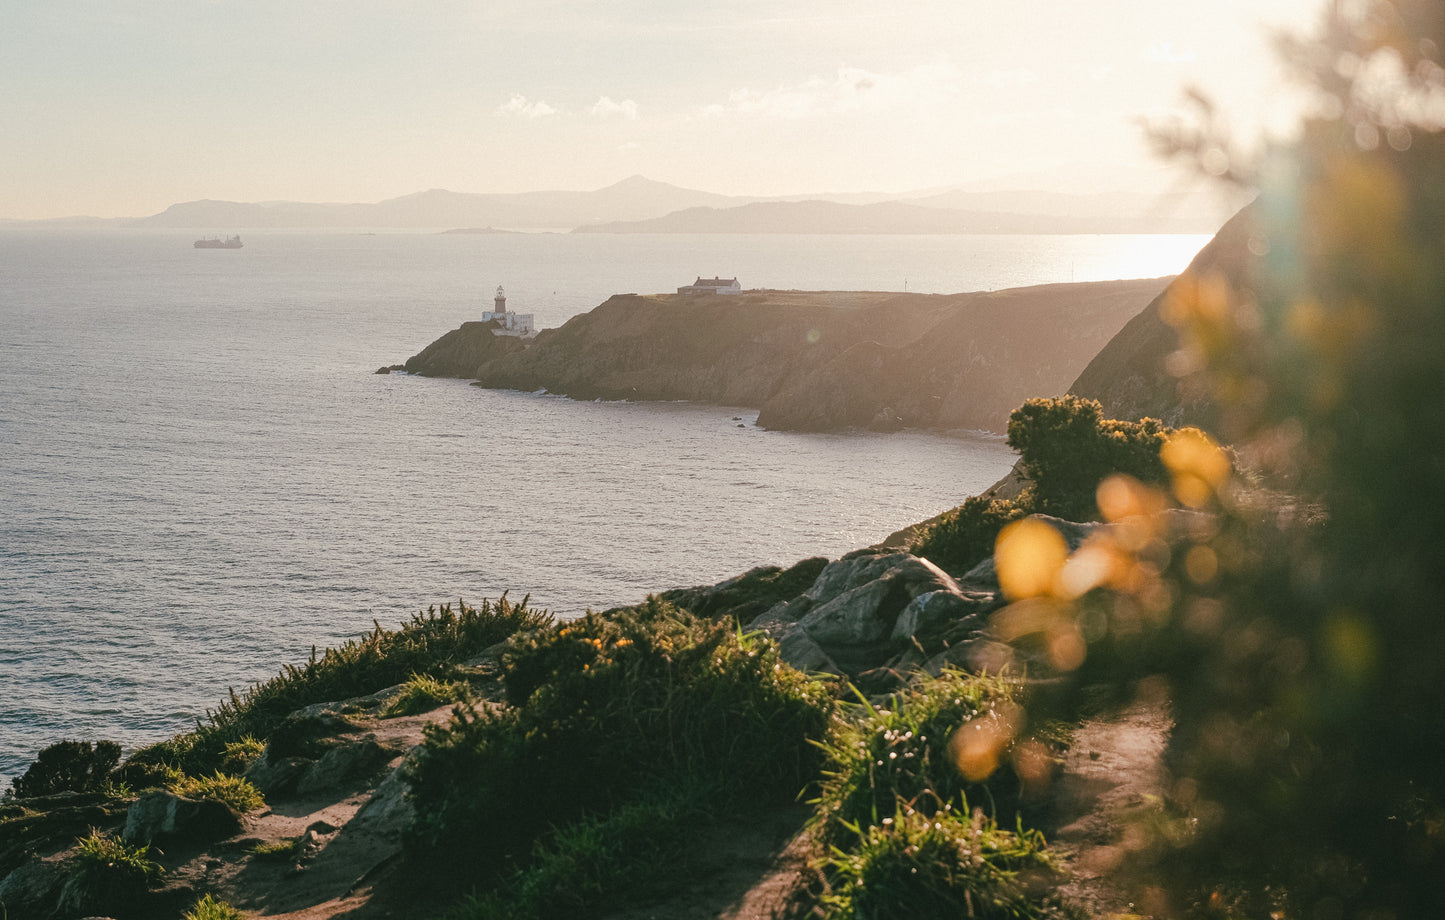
x=811, y=360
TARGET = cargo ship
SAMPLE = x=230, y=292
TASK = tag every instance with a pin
x=230, y=242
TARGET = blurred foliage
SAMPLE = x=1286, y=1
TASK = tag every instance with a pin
x=609, y=711
x=964, y=537
x=1301, y=652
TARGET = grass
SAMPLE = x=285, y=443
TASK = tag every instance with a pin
x=98, y=851
x=110, y=876
x=208, y=908
x=233, y=791
x=423, y=693
x=432, y=643
x=278, y=851
x=905, y=752
x=893, y=821
x=952, y=863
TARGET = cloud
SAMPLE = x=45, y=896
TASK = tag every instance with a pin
x=852, y=89
x=519, y=107
x=605, y=107
x=1014, y=76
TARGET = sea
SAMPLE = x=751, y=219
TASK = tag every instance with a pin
x=202, y=478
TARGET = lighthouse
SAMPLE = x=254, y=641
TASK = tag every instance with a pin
x=505, y=322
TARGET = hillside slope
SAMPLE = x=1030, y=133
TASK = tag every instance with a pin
x=1132, y=376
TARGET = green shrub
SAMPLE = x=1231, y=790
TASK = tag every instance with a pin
x=233, y=791
x=109, y=875
x=432, y=643
x=964, y=537
x=948, y=864
x=609, y=710
x=68, y=766
x=1067, y=447
x=879, y=756
x=238, y=755
x=208, y=908
x=595, y=863
x=423, y=693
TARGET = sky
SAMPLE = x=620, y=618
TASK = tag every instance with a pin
x=120, y=108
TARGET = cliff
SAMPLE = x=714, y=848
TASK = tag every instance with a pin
x=819, y=361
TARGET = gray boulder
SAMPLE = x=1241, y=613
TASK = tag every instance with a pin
x=859, y=600
x=32, y=890
x=343, y=763
x=938, y=610
x=163, y=816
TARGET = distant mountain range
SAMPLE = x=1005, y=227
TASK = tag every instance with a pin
x=641, y=205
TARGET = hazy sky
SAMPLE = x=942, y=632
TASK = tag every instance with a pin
x=123, y=107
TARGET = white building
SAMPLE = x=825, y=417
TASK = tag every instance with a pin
x=712, y=286
x=518, y=324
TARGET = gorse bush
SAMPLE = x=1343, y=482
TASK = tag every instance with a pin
x=594, y=863
x=1301, y=653
x=68, y=766
x=608, y=710
x=431, y=644
x=1067, y=447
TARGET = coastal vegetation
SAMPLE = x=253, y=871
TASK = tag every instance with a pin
x=611, y=718
x=1289, y=638
x=431, y=645
x=1066, y=450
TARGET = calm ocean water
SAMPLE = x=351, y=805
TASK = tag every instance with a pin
x=200, y=477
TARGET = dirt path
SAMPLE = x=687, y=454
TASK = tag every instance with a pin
x=1111, y=774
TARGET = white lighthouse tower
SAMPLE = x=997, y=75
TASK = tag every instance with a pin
x=509, y=323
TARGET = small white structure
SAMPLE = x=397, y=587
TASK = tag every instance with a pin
x=518, y=324
x=712, y=286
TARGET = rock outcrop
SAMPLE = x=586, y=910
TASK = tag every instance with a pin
x=815, y=361
x=462, y=352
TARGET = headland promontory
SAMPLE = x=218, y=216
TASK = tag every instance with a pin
x=813, y=360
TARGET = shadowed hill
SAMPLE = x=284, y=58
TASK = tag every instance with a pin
x=1132, y=375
